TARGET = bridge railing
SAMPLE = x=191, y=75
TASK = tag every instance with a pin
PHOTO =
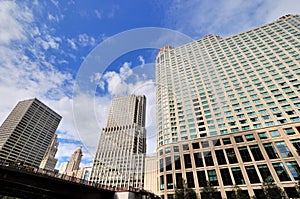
x=38, y=171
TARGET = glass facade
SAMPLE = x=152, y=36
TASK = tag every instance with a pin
x=232, y=107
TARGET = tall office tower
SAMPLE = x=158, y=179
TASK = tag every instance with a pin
x=73, y=164
x=49, y=161
x=27, y=132
x=120, y=156
x=228, y=111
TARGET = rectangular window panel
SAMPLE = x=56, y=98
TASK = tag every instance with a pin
x=226, y=141
x=220, y=157
x=249, y=137
x=168, y=164
x=190, y=179
x=238, y=176
x=161, y=165
x=208, y=158
x=169, y=181
x=162, y=184
x=198, y=159
x=263, y=135
x=238, y=139
x=252, y=175
x=245, y=154
x=265, y=173
x=281, y=172
x=296, y=145
x=177, y=162
x=294, y=169
x=231, y=156
x=179, y=181
x=270, y=151
x=212, y=178
x=283, y=149
x=256, y=153
x=226, y=178
x=187, y=161
x=201, y=178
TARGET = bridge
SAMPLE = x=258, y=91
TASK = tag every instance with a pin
x=25, y=182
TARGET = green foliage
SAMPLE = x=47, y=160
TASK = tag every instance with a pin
x=209, y=192
x=184, y=192
x=272, y=191
x=238, y=193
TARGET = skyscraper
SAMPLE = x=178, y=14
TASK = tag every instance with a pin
x=228, y=111
x=49, y=161
x=120, y=156
x=73, y=164
x=27, y=132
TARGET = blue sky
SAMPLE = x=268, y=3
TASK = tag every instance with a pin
x=46, y=48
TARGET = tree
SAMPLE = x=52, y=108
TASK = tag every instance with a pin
x=209, y=192
x=183, y=192
x=272, y=191
x=238, y=193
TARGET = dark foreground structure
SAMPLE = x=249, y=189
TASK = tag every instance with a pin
x=20, y=181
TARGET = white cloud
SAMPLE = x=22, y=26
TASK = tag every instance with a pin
x=98, y=14
x=11, y=18
x=142, y=60
x=72, y=43
x=85, y=40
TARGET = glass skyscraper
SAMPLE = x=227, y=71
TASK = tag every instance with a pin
x=120, y=156
x=228, y=111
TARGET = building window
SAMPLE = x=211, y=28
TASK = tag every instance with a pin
x=249, y=137
x=187, y=161
x=208, y=159
x=244, y=154
x=289, y=131
x=167, y=150
x=190, y=179
x=281, y=172
x=283, y=149
x=270, y=151
x=212, y=177
x=205, y=144
x=265, y=173
x=161, y=165
x=161, y=152
x=177, y=162
x=252, y=175
x=296, y=144
x=294, y=169
x=275, y=134
x=185, y=147
x=220, y=157
x=168, y=164
x=231, y=156
x=238, y=139
x=196, y=145
x=263, y=135
x=169, y=181
x=198, y=160
x=226, y=177
x=179, y=182
x=162, y=183
x=226, y=141
x=201, y=178
x=216, y=142
x=176, y=149
x=256, y=153
x=238, y=176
